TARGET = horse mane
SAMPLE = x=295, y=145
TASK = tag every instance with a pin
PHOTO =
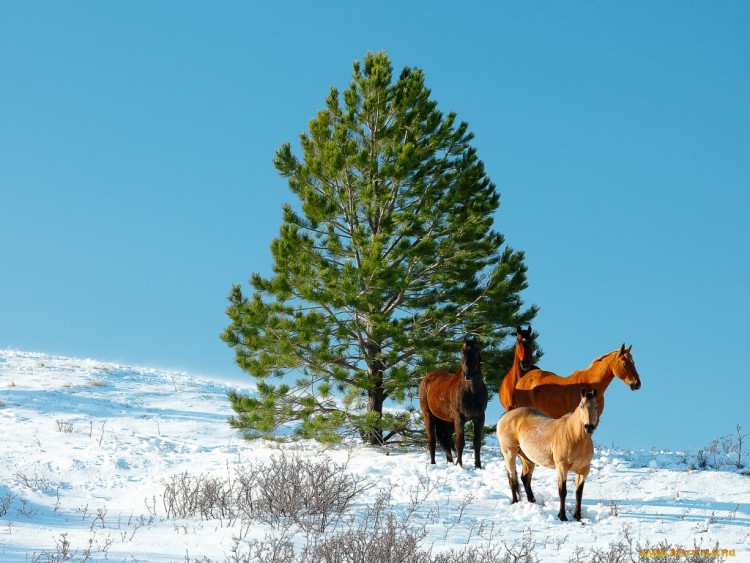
x=600, y=358
x=596, y=361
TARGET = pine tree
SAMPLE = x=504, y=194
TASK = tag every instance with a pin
x=388, y=261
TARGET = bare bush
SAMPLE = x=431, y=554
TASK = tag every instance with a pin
x=66, y=427
x=667, y=553
x=730, y=452
x=379, y=536
x=616, y=552
x=517, y=553
x=271, y=549
x=740, y=438
x=35, y=479
x=64, y=551
x=732, y=445
x=6, y=502
x=628, y=551
x=311, y=493
x=205, y=496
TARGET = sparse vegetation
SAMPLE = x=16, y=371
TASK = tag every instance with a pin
x=35, y=478
x=6, y=502
x=614, y=507
x=730, y=453
x=375, y=534
x=314, y=494
x=66, y=427
x=628, y=550
x=315, y=504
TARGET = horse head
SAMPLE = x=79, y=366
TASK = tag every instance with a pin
x=471, y=359
x=524, y=347
x=624, y=368
x=588, y=411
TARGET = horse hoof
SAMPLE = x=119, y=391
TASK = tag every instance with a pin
x=562, y=517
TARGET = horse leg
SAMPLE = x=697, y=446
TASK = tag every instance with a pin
x=478, y=428
x=430, y=421
x=509, y=453
x=460, y=439
x=430, y=428
x=580, y=480
x=444, y=431
x=562, y=489
x=527, y=470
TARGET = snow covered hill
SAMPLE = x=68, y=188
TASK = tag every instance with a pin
x=89, y=449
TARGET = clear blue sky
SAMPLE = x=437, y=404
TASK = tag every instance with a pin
x=136, y=177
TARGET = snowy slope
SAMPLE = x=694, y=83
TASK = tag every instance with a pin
x=88, y=447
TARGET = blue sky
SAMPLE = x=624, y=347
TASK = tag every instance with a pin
x=137, y=185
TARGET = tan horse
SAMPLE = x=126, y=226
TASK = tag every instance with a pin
x=561, y=443
x=521, y=364
x=556, y=396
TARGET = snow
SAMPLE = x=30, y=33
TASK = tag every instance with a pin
x=89, y=446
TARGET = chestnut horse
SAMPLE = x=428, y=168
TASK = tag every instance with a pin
x=448, y=400
x=556, y=396
x=561, y=443
x=521, y=364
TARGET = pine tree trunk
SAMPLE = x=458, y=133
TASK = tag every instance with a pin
x=375, y=399
x=376, y=394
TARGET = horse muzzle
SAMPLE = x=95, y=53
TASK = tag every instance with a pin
x=635, y=386
x=589, y=428
x=469, y=375
x=525, y=366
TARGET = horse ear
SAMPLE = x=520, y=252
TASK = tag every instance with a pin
x=583, y=391
x=593, y=393
x=628, y=350
x=622, y=349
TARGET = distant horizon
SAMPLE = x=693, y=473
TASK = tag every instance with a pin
x=246, y=384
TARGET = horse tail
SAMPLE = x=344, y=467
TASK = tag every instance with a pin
x=444, y=434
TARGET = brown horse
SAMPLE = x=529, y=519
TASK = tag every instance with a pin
x=448, y=400
x=555, y=396
x=521, y=364
x=561, y=443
